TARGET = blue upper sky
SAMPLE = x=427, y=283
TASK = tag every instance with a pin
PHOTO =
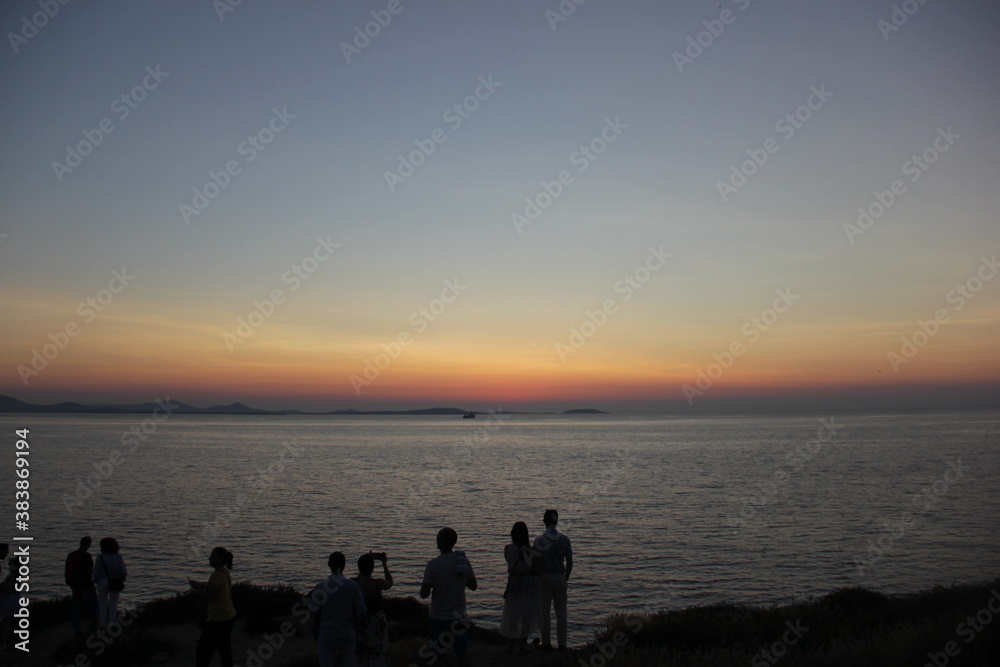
x=692, y=89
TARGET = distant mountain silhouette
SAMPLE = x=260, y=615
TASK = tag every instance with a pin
x=11, y=404
x=233, y=408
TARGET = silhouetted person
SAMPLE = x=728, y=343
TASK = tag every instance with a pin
x=341, y=606
x=109, y=575
x=220, y=614
x=373, y=644
x=80, y=579
x=445, y=580
x=520, y=601
x=557, y=564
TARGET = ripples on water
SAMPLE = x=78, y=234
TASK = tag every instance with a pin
x=649, y=503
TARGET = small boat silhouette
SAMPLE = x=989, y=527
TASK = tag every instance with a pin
x=469, y=415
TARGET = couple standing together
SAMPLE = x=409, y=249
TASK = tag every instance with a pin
x=536, y=581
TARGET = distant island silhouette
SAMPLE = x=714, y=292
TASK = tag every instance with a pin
x=11, y=404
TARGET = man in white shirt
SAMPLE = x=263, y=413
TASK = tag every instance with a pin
x=445, y=580
x=340, y=605
x=557, y=564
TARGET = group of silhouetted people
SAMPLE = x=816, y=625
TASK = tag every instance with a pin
x=537, y=577
x=349, y=624
x=95, y=583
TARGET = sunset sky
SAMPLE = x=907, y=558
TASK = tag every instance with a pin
x=636, y=143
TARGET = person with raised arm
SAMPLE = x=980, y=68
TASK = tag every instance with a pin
x=373, y=642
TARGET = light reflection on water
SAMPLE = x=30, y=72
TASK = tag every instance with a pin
x=649, y=503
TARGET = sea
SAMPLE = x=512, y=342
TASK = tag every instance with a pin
x=663, y=512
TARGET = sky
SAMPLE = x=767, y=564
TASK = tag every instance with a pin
x=529, y=205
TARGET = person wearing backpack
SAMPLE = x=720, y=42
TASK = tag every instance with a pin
x=109, y=575
x=80, y=579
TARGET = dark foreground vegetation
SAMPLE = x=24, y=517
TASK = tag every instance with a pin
x=952, y=626
x=849, y=627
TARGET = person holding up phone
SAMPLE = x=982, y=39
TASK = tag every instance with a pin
x=373, y=636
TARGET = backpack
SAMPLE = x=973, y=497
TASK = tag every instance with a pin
x=115, y=585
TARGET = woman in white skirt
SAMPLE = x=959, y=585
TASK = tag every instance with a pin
x=520, y=599
x=109, y=575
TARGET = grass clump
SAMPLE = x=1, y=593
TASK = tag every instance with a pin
x=850, y=626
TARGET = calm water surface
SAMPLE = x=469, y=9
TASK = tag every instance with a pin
x=662, y=512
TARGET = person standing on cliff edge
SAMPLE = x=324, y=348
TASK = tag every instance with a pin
x=557, y=564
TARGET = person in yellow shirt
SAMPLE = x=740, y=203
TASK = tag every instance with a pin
x=217, y=631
